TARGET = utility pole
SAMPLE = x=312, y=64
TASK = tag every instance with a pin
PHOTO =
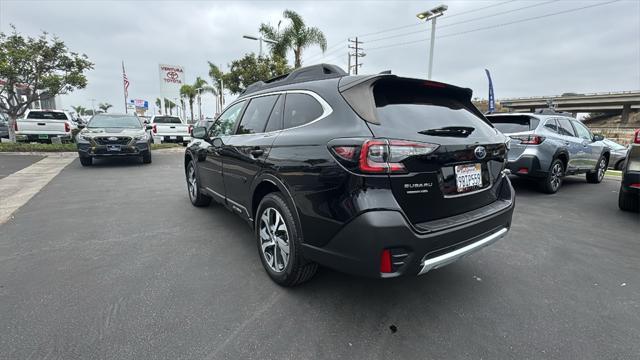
x=356, y=54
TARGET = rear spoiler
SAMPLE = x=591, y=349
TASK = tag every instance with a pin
x=358, y=92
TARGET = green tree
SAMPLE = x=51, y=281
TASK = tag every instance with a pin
x=105, y=107
x=30, y=67
x=297, y=36
x=189, y=92
x=80, y=110
x=243, y=72
x=217, y=80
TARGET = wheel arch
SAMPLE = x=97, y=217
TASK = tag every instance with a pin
x=266, y=184
x=563, y=155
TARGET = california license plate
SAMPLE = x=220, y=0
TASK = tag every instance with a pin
x=43, y=136
x=113, y=148
x=468, y=177
x=173, y=137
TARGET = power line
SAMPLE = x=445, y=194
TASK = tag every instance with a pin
x=462, y=22
x=458, y=14
x=327, y=52
x=497, y=25
x=357, y=53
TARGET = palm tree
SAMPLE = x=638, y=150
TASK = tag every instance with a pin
x=79, y=110
x=105, y=107
x=189, y=91
x=297, y=36
x=217, y=77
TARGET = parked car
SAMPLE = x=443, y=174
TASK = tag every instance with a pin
x=378, y=176
x=204, y=123
x=113, y=135
x=171, y=129
x=43, y=125
x=548, y=147
x=629, y=195
x=4, y=126
x=618, y=154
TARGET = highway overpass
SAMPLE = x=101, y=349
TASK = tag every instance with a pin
x=623, y=102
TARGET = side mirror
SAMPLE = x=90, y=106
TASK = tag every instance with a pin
x=199, y=132
x=598, y=137
x=148, y=127
x=217, y=142
x=81, y=126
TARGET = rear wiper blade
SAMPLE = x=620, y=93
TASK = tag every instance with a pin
x=454, y=131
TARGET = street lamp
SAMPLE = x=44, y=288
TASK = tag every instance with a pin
x=432, y=15
x=260, y=39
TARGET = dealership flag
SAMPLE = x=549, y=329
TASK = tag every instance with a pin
x=492, y=100
x=125, y=84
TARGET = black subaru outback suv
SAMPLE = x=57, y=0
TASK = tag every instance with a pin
x=377, y=175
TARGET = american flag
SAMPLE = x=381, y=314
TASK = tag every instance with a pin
x=125, y=82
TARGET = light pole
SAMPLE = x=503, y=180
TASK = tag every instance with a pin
x=432, y=15
x=260, y=39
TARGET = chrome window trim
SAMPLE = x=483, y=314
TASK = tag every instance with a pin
x=326, y=108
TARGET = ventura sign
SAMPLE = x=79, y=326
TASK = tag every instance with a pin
x=171, y=79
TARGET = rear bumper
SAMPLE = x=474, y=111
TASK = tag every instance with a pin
x=628, y=178
x=42, y=137
x=167, y=138
x=88, y=150
x=358, y=247
x=528, y=165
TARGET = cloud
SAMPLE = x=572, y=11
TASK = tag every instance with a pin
x=591, y=50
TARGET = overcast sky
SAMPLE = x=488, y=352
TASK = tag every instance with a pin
x=591, y=50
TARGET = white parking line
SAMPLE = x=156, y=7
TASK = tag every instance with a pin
x=18, y=188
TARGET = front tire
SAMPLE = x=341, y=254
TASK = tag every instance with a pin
x=146, y=157
x=280, y=244
x=86, y=160
x=553, y=180
x=597, y=175
x=195, y=195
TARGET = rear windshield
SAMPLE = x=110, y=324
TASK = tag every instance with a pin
x=167, y=120
x=513, y=124
x=47, y=115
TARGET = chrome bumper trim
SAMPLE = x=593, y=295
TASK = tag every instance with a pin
x=448, y=258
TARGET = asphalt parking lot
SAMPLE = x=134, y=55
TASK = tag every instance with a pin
x=112, y=261
x=9, y=164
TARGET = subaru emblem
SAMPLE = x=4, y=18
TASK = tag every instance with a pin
x=480, y=152
x=113, y=138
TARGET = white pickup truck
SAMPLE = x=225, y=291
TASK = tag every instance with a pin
x=43, y=125
x=170, y=129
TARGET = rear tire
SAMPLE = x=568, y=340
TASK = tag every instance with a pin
x=277, y=233
x=553, y=180
x=86, y=160
x=193, y=188
x=628, y=201
x=597, y=175
x=146, y=157
x=618, y=165
x=185, y=143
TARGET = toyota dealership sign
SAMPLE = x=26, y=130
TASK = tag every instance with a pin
x=171, y=79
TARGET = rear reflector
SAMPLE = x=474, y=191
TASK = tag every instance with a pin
x=523, y=171
x=385, y=262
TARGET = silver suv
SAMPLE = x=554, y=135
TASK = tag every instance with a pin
x=548, y=147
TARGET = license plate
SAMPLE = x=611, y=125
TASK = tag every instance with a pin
x=468, y=177
x=43, y=136
x=173, y=137
x=113, y=148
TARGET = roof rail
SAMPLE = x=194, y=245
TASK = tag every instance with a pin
x=549, y=111
x=308, y=73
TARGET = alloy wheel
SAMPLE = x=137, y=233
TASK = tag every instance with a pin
x=274, y=239
x=192, y=182
x=556, y=175
x=602, y=169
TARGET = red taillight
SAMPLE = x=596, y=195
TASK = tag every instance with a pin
x=15, y=124
x=346, y=152
x=155, y=129
x=190, y=129
x=67, y=127
x=386, y=156
x=532, y=139
x=523, y=171
x=635, y=186
x=385, y=262
x=636, y=137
